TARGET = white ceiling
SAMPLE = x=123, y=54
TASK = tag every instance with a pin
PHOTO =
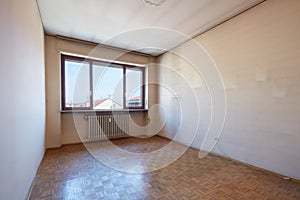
x=135, y=25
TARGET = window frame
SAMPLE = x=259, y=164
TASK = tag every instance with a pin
x=142, y=69
x=66, y=57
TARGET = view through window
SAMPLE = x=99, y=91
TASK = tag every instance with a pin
x=89, y=84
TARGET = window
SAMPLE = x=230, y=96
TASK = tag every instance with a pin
x=89, y=84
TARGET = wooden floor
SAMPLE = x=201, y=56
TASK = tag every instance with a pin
x=71, y=172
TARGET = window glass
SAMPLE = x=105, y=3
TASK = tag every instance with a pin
x=98, y=85
x=77, y=84
x=107, y=86
x=134, y=87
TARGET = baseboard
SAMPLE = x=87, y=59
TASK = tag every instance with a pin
x=33, y=181
x=90, y=141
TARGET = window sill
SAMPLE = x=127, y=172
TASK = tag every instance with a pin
x=104, y=111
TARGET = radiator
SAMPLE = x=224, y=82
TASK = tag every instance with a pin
x=107, y=126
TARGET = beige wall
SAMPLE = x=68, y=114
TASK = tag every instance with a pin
x=257, y=54
x=22, y=86
x=61, y=128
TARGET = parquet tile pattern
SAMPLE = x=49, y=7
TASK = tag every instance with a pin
x=71, y=172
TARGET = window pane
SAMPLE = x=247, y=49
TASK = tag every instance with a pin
x=76, y=84
x=107, y=86
x=134, y=86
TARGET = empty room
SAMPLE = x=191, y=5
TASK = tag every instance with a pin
x=150, y=99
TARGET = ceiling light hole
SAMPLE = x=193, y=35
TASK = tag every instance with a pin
x=154, y=2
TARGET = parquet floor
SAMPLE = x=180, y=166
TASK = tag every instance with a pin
x=71, y=172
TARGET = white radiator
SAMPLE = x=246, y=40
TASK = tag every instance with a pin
x=107, y=126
